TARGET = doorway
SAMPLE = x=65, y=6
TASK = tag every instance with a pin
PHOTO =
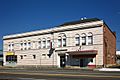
x=81, y=63
x=62, y=61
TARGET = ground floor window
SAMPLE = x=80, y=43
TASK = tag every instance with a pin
x=11, y=58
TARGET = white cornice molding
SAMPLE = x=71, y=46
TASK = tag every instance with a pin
x=60, y=28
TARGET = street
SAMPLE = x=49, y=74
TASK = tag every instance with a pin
x=56, y=74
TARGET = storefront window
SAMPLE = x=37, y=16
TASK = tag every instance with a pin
x=11, y=58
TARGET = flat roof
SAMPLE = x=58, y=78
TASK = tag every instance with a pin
x=80, y=24
x=80, y=21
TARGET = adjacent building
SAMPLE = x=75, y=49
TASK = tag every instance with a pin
x=1, y=58
x=82, y=43
x=118, y=57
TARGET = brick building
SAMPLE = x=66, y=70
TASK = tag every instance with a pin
x=82, y=43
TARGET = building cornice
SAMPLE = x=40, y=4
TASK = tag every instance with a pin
x=56, y=29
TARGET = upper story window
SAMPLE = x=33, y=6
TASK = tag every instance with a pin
x=44, y=43
x=39, y=44
x=77, y=40
x=59, y=41
x=21, y=46
x=83, y=36
x=48, y=42
x=29, y=45
x=11, y=47
x=90, y=38
x=25, y=46
x=62, y=40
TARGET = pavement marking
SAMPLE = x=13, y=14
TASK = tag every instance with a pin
x=62, y=75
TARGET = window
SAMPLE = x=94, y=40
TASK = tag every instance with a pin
x=59, y=42
x=29, y=45
x=77, y=40
x=21, y=46
x=43, y=55
x=44, y=43
x=64, y=41
x=25, y=46
x=83, y=39
x=90, y=38
x=48, y=43
x=34, y=56
x=39, y=44
x=11, y=58
x=21, y=56
x=11, y=47
x=25, y=55
x=91, y=60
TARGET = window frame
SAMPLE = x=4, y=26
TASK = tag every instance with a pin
x=59, y=41
x=83, y=38
x=77, y=39
x=90, y=38
x=64, y=41
x=48, y=42
x=44, y=43
x=34, y=56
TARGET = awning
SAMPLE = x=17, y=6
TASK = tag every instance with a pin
x=9, y=53
x=84, y=52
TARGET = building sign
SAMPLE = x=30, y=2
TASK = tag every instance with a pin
x=9, y=53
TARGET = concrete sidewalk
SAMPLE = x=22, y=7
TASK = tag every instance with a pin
x=42, y=68
x=81, y=69
x=108, y=69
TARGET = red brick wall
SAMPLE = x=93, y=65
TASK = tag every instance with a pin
x=109, y=45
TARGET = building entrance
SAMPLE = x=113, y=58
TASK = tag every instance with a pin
x=81, y=63
x=62, y=61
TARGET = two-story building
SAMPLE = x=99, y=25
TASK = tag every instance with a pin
x=82, y=43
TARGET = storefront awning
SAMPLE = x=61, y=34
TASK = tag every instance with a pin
x=84, y=52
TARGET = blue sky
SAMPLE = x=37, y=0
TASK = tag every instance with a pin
x=18, y=16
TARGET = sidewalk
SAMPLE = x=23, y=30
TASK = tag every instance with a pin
x=81, y=69
x=108, y=69
x=44, y=68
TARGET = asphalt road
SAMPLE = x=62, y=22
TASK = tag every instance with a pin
x=60, y=74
